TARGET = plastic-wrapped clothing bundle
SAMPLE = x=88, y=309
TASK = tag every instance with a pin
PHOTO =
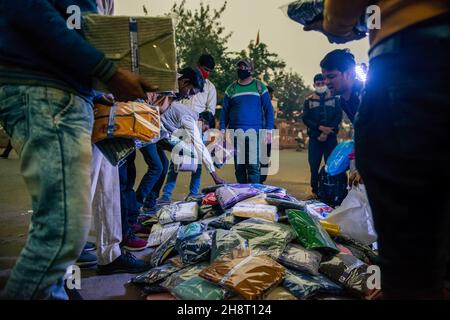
x=307, y=12
x=284, y=204
x=298, y=258
x=228, y=196
x=247, y=275
x=199, y=289
x=210, y=198
x=350, y=272
x=339, y=160
x=225, y=241
x=178, y=212
x=305, y=286
x=264, y=237
x=359, y=250
x=212, y=188
x=279, y=293
x=160, y=233
x=354, y=216
x=224, y=221
x=183, y=275
x=195, y=198
x=208, y=210
x=253, y=210
x=318, y=209
x=164, y=251
x=310, y=233
x=267, y=189
x=155, y=275
x=195, y=249
x=332, y=228
x=258, y=199
x=189, y=231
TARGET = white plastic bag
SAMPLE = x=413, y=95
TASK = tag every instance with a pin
x=354, y=216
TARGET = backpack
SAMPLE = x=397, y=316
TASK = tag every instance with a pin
x=332, y=189
x=260, y=91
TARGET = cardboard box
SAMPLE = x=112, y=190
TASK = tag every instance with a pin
x=152, y=39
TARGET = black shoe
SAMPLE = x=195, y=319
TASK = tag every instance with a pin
x=86, y=260
x=125, y=263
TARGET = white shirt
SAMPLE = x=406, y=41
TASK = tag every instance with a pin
x=203, y=101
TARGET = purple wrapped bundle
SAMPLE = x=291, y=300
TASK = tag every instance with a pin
x=229, y=195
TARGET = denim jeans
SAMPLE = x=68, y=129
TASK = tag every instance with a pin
x=128, y=204
x=50, y=129
x=157, y=164
x=403, y=155
x=316, y=151
x=194, y=186
x=248, y=170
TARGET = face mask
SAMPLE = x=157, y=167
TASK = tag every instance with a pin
x=321, y=90
x=205, y=74
x=243, y=74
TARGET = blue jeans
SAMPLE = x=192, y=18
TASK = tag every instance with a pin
x=128, y=205
x=194, y=186
x=157, y=163
x=50, y=129
x=249, y=171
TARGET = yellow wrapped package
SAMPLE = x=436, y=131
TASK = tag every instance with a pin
x=255, y=210
x=332, y=228
x=130, y=120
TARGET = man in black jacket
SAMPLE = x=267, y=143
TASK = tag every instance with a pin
x=322, y=115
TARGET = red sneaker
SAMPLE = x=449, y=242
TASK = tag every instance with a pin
x=140, y=230
x=133, y=243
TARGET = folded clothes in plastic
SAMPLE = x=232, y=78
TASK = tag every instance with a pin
x=164, y=251
x=350, y=272
x=264, y=237
x=254, y=210
x=225, y=241
x=246, y=275
x=195, y=249
x=305, y=286
x=318, y=209
x=155, y=275
x=178, y=212
x=160, y=233
x=228, y=196
x=279, y=293
x=199, y=289
x=298, y=258
x=310, y=233
x=182, y=275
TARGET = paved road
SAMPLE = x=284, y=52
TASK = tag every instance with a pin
x=15, y=216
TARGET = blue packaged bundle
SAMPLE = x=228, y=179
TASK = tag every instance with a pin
x=339, y=161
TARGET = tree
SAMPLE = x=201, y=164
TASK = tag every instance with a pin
x=291, y=92
x=266, y=63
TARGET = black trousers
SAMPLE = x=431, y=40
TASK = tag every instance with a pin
x=403, y=154
x=316, y=151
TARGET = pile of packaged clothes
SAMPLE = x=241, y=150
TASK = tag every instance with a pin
x=254, y=242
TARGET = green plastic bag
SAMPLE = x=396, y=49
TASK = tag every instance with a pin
x=264, y=237
x=310, y=233
x=198, y=289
